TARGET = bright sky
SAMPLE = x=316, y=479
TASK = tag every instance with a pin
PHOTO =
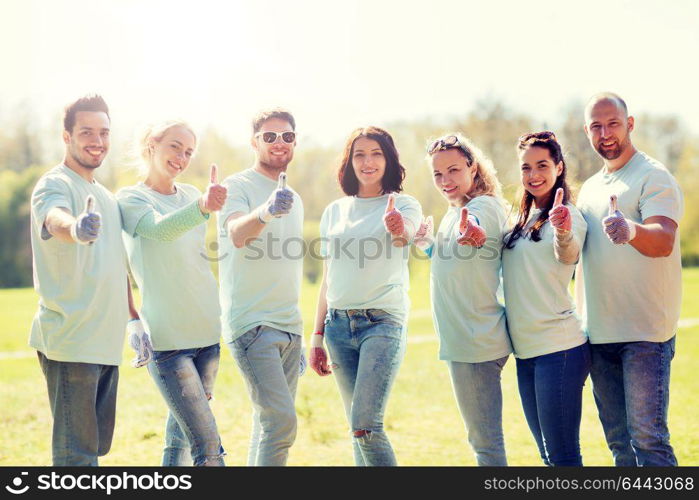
x=338, y=65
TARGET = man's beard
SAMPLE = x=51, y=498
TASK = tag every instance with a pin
x=80, y=162
x=614, y=152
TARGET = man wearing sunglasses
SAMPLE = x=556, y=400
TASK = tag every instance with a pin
x=260, y=226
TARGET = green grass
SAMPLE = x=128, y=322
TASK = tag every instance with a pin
x=422, y=419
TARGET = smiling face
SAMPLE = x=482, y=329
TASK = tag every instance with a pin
x=278, y=155
x=452, y=175
x=368, y=162
x=88, y=143
x=538, y=172
x=608, y=128
x=171, y=155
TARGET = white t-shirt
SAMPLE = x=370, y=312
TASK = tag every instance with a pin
x=83, y=306
x=628, y=296
x=365, y=271
x=260, y=284
x=468, y=317
x=541, y=315
x=180, y=307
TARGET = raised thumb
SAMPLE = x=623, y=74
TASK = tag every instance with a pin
x=391, y=205
x=89, y=204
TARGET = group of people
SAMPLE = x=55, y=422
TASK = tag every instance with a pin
x=621, y=234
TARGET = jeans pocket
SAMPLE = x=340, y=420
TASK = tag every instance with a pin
x=244, y=342
x=163, y=356
x=381, y=316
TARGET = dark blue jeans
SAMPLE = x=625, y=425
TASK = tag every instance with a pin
x=83, y=405
x=551, y=390
x=631, y=384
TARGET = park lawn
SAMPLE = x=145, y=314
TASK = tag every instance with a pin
x=422, y=419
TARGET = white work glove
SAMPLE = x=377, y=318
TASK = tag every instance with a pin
x=140, y=343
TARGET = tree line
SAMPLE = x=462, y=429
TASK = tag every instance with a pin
x=26, y=152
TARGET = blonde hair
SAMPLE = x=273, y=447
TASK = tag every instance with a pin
x=156, y=132
x=485, y=182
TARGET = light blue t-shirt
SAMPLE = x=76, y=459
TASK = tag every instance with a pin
x=630, y=297
x=464, y=281
x=83, y=306
x=541, y=315
x=180, y=308
x=364, y=269
x=261, y=282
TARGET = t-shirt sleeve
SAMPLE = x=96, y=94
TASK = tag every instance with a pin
x=133, y=206
x=489, y=213
x=410, y=209
x=324, y=223
x=661, y=195
x=49, y=192
x=579, y=225
x=237, y=200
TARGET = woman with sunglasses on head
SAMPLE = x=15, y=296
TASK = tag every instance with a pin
x=539, y=257
x=465, y=276
x=164, y=226
x=363, y=301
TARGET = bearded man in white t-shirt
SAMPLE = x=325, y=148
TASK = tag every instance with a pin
x=633, y=279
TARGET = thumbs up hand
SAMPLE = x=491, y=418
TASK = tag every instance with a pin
x=619, y=229
x=470, y=233
x=214, y=197
x=279, y=202
x=424, y=237
x=559, y=216
x=392, y=219
x=86, y=227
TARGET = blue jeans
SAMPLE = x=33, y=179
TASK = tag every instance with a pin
x=551, y=388
x=479, y=396
x=631, y=384
x=185, y=378
x=83, y=404
x=366, y=347
x=269, y=361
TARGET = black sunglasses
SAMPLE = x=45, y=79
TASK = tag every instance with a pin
x=271, y=137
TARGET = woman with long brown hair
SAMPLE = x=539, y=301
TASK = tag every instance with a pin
x=539, y=257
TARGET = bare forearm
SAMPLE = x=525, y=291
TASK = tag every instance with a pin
x=653, y=240
x=243, y=228
x=321, y=313
x=133, y=312
x=58, y=223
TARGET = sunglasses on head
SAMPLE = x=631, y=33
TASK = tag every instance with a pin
x=546, y=134
x=449, y=142
x=271, y=137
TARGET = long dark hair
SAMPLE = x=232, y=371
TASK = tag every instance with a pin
x=545, y=140
x=394, y=174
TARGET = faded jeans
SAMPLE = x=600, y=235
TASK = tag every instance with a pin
x=631, y=384
x=269, y=361
x=551, y=387
x=83, y=404
x=366, y=347
x=185, y=378
x=479, y=396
